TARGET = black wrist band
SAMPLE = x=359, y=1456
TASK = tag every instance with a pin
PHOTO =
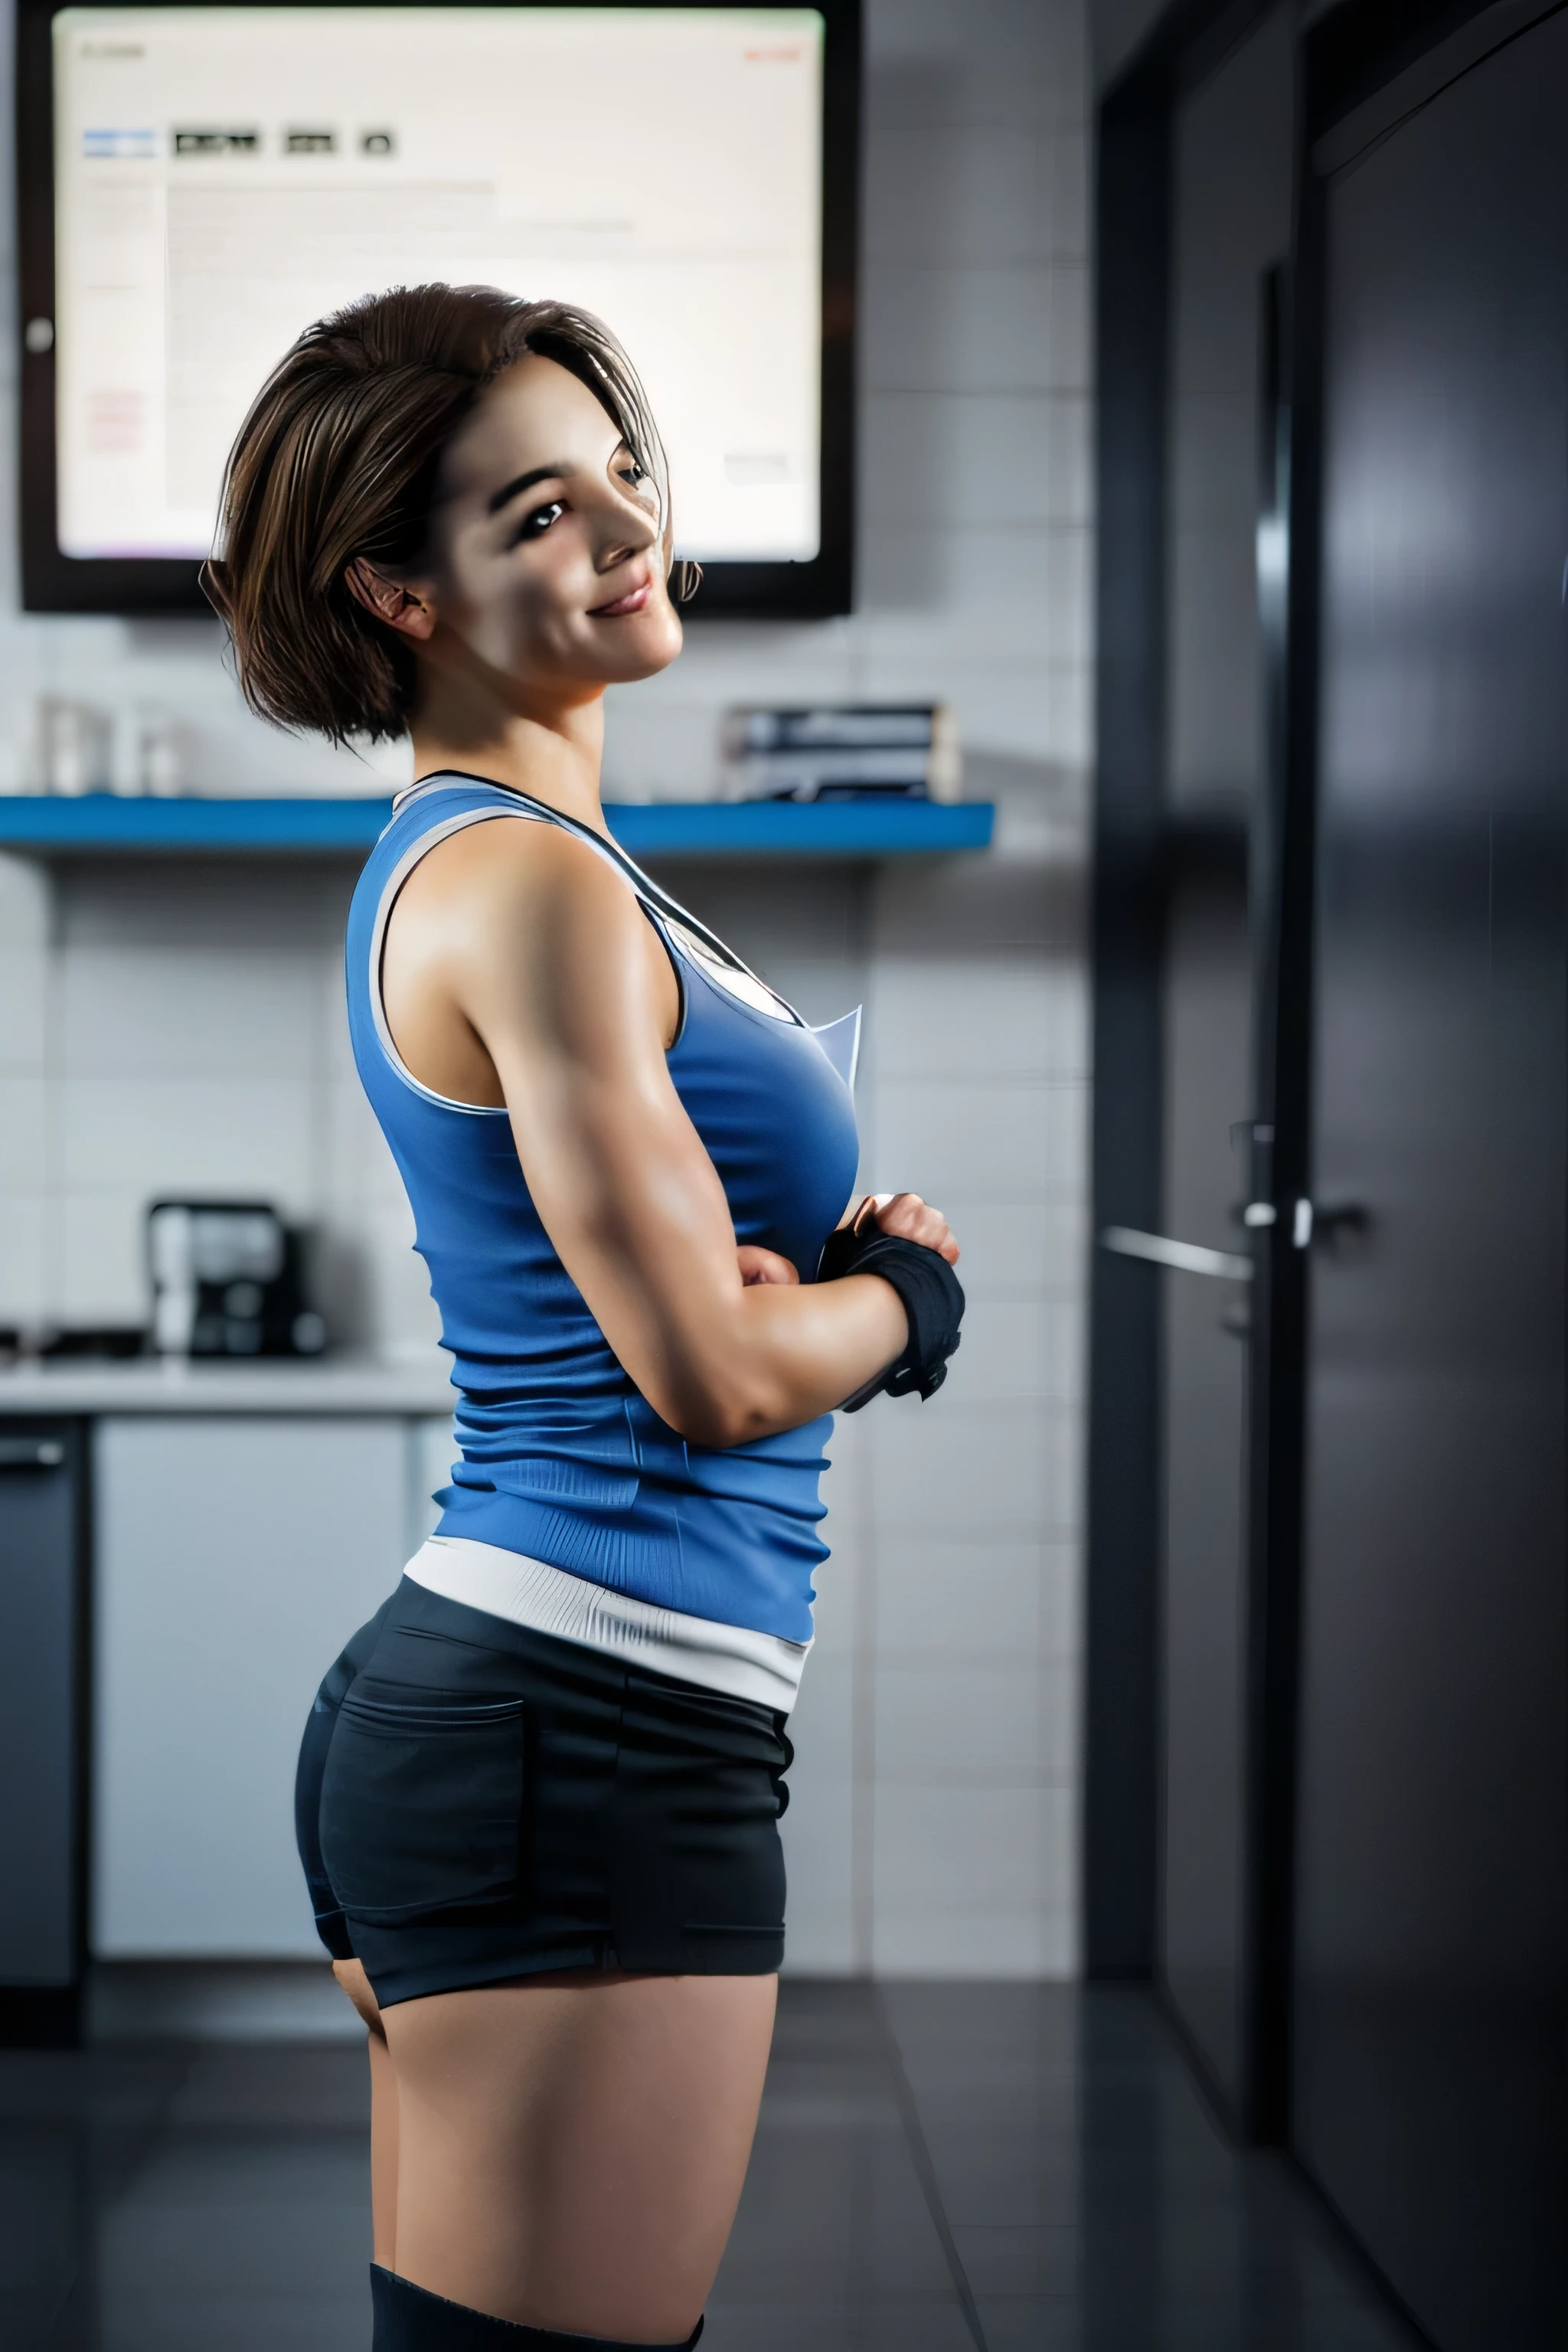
x=932, y=1300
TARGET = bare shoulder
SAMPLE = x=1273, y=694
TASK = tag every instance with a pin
x=506, y=864
x=529, y=924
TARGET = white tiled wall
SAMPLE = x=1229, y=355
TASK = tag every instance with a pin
x=975, y=1095
x=178, y=1028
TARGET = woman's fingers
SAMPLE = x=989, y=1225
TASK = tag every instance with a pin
x=764, y=1266
x=914, y=1219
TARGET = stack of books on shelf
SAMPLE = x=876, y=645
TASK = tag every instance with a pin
x=851, y=753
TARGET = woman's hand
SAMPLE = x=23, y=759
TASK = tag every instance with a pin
x=907, y=1217
x=764, y=1266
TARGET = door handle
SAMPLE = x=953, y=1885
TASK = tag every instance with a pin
x=1320, y=1219
x=1184, y=1257
x=31, y=1453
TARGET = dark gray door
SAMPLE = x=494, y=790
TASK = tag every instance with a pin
x=1230, y=225
x=1432, y=1898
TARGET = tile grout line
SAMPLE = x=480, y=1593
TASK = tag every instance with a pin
x=925, y=2173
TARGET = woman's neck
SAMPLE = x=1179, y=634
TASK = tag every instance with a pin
x=556, y=757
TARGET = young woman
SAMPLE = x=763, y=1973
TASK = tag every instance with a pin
x=539, y=1792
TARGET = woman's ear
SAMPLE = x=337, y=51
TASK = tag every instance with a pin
x=403, y=609
x=682, y=579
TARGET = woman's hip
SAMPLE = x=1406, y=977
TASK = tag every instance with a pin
x=478, y=1801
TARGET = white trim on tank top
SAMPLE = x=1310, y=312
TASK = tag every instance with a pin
x=767, y=1000
x=651, y=894
x=733, y=1659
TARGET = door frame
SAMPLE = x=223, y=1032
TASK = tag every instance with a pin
x=1360, y=67
x=1132, y=850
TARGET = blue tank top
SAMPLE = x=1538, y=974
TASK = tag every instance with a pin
x=562, y=1458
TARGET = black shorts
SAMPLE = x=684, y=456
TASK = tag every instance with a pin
x=478, y=1801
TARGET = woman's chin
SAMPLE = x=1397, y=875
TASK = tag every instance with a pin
x=641, y=646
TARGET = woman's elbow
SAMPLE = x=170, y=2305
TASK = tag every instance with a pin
x=722, y=1416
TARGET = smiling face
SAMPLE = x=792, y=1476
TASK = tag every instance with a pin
x=545, y=567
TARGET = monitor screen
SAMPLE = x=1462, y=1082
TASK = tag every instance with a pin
x=222, y=176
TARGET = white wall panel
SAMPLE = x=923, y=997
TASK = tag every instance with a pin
x=818, y=1829
x=102, y=1240
x=182, y=1135
x=28, y=1286
x=185, y=1011
x=24, y=1106
x=235, y=1557
x=952, y=1723
x=23, y=997
x=960, y=1879
x=954, y=1597
x=1019, y=1249
x=971, y=1470
x=940, y=328
x=950, y=196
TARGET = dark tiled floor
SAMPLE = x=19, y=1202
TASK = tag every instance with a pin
x=938, y=2167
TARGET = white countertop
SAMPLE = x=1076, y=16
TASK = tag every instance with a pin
x=359, y=1384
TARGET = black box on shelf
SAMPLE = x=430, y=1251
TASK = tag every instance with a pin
x=845, y=752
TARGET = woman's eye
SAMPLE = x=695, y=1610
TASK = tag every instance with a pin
x=633, y=473
x=533, y=526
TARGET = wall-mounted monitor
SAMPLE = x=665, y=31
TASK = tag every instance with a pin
x=197, y=183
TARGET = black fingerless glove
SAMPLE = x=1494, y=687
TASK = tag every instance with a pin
x=932, y=1298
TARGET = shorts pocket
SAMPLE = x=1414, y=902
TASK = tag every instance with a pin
x=422, y=1804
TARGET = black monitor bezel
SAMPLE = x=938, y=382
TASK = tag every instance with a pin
x=139, y=586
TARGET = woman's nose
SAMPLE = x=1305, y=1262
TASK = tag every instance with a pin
x=620, y=550
x=626, y=532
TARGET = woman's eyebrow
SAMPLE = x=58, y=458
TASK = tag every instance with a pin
x=524, y=482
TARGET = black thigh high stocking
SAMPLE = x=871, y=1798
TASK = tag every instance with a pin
x=408, y=2318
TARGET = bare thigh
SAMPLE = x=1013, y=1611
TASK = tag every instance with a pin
x=351, y=1975
x=569, y=2150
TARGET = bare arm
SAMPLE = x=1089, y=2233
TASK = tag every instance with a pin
x=565, y=985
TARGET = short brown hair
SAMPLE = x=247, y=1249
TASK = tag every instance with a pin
x=338, y=458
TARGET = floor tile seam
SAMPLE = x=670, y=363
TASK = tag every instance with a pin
x=995, y=2116
x=830, y=2122
x=1117, y=2307
x=304, y=2305
x=266, y=2132
x=925, y=2172
x=922, y=2298
x=847, y=2307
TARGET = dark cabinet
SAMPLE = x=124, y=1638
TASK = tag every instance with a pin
x=42, y=1738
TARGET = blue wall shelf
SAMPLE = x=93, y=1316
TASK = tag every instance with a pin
x=98, y=824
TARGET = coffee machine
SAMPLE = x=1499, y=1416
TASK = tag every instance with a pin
x=226, y=1281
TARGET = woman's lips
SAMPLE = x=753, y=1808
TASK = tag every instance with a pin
x=632, y=602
